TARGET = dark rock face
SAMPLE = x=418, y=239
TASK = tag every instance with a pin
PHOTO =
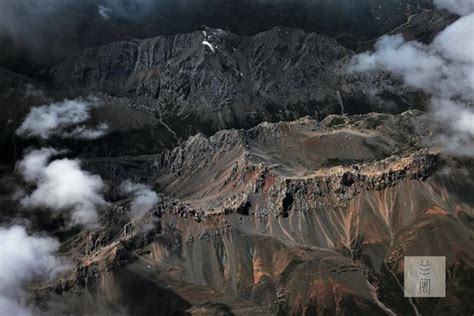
x=213, y=79
x=157, y=92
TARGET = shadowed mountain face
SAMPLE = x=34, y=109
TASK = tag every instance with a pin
x=157, y=92
x=213, y=80
x=286, y=184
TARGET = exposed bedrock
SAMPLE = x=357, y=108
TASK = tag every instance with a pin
x=237, y=231
x=213, y=79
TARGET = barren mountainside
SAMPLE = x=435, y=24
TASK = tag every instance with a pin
x=168, y=88
x=226, y=158
x=214, y=79
x=242, y=228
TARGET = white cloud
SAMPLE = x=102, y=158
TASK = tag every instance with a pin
x=62, y=186
x=33, y=164
x=461, y=7
x=26, y=21
x=24, y=258
x=104, y=12
x=143, y=197
x=132, y=9
x=83, y=132
x=443, y=69
x=32, y=92
x=60, y=119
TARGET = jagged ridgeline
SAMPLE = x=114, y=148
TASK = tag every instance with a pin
x=157, y=92
x=303, y=217
x=220, y=158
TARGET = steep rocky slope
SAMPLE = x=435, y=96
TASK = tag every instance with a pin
x=211, y=80
x=274, y=220
x=157, y=92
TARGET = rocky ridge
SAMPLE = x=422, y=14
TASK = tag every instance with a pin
x=213, y=79
x=316, y=236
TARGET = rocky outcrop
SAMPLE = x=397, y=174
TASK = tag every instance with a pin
x=250, y=172
x=236, y=231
